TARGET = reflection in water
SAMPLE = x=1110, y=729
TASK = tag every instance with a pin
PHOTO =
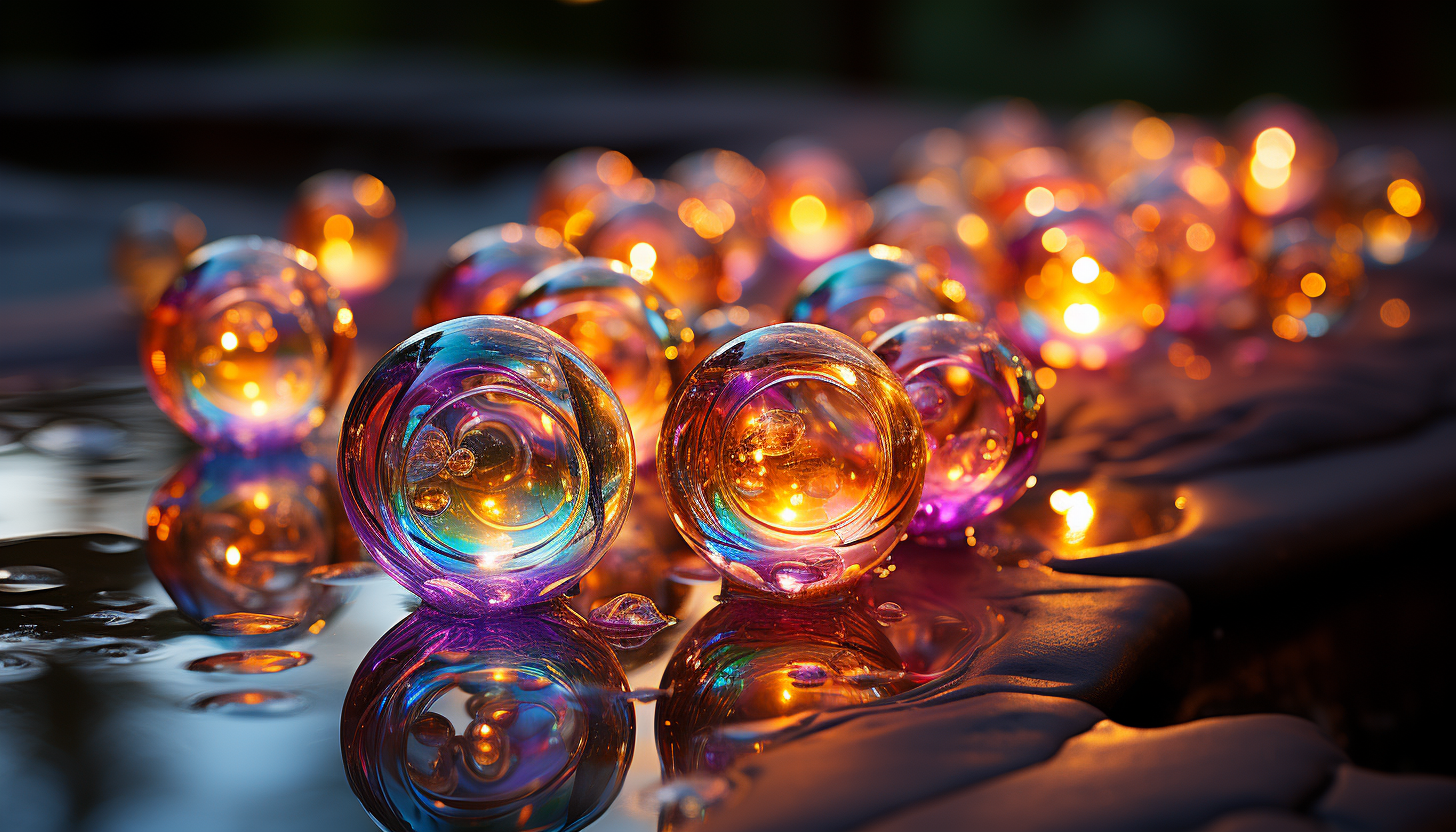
x=511, y=722
x=750, y=667
x=233, y=541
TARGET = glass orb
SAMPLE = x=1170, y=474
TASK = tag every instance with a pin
x=792, y=460
x=485, y=271
x=456, y=724
x=346, y=219
x=816, y=207
x=1085, y=295
x=1119, y=141
x=654, y=238
x=1001, y=128
x=581, y=189
x=1378, y=202
x=232, y=534
x=725, y=205
x=749, y=661
x=250, y=347
x=638, y=339
x=982, y=413
x=1308, y=281
x=151, y=248
x=486, y=463
x=864, y=293
x=717, y=327
x=1286, y=153
x=940, y=233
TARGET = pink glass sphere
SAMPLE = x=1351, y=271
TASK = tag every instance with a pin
x=486, y=269
x=250, y=347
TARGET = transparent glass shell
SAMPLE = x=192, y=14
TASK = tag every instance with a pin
x=1377, y=201
x=638, y=339
x=864, y=293
x=983, y=416
x=654, y=239
x=481, y=724
x=792, y=460
x=486, y=463
x=347, y=220
x=485, y=271
x=250, y=347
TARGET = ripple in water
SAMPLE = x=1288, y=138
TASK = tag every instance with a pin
x=119, y=651
x=251, y=703
x=18, y=665
x=246, y=624
x=30, y=578
x=247, y=662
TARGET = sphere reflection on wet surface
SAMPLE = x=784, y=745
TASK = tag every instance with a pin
x=513, y=722
x=792, y=460
x=486, y=270
x=982, y=412
x=232, y=539
x=637, y=338
x=249, y=348
x=486, y=463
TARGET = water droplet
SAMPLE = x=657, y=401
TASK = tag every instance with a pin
x=629, y=620
x=30, y=578
x=122, y=651
x=251, y=703
x=349, y=573
x=251, y=661
x=431, y=500
x=428, y=453
x=807, y=674
x=112, y=544
x=246, y=624
x=460, y=463
x=77, y=439
x=889, y=612
x=16, y=665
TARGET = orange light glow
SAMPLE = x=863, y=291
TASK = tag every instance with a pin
x=1395, y=313
x=808, y=214
x=1404, y=197
x=1082, y=318
x=1274, y=148
x=1040, y=202
x=1199, y=236
x=1153, y=314
x=1205, y=185
x=1312, y=284
x=1146, y=217
x=1152, y=138
x=1046, y=378
x=1059, y=354
x=1054, y=239
x=1085, y=270
x=972, y=230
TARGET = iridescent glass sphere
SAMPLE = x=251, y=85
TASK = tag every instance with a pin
x=725, y=205
x=250, y=347
x=864, y=293
x=982, y=413
x=231, y=534
x=346, y=219
x=1308, y=281
x=1286, y=154
x=792, y=460
x=751, y=662
x=486, y=463
x=717, y=327
x=580, y=189
x=638, y=339
x=816, y=207
x=940, y=233
x=485, y=271
x=654, y=238
x=497, y=723
x=1377, y=201
x=151, y=248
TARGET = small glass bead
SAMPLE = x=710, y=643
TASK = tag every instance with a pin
x=638, y=339
x=485, y=271
x=486, y=463
x=580, y=189
x=346, y=219
x=249, y=348
x=864, y=293
x=982, y=412
x=792, y=460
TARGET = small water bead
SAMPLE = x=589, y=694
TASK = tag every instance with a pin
x=250, y=347
x=629, y=330
x=30, y=578
x=252, y=703
x=486, y=462
x=982, y=413
x=486, y=269
x=889, y=612
x=791, y=460
x=249, y=662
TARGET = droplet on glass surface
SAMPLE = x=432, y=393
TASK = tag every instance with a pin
x=119, y=651
x=77, y=439
x=246, y=624
x=350, y=573
x=30, y=578
x=112, y=544
x=431, y=500
x=629, y=620
x=248, y=662
x=807, y=674
x=16, y=665
x=251, y=703
x=427, y=454
x=889, y=612
x=793, y=575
